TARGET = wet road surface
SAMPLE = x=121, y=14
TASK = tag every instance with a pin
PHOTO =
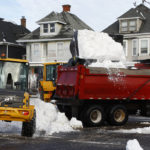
x=102, y=138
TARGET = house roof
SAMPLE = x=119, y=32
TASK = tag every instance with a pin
x=141, y=11
x=70, y=23
x=10, y=32
x=53, y=16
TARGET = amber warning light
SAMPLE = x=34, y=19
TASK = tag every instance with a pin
x=3, y=55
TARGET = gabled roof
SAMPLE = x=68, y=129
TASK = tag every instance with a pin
x=70, y=23
x=53, y=16
x=141, y=11
x=10, y=32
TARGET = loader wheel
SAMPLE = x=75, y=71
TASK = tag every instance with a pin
x=28, y=128
x=93, y=116
x=118, y=115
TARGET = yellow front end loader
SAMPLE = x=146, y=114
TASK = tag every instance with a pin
x=47, y=86
x=14, y=96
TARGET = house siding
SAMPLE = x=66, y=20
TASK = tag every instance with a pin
x=51, y=47
x=130, y=56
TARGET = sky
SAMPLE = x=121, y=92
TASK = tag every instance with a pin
x=98, y=14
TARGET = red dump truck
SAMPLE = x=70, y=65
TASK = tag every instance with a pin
x=95, y=95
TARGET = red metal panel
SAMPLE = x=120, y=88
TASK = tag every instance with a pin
x=103, y=86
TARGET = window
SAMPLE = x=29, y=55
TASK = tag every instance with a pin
x=125, y=47
x=51, y=72
x=36, y=51
x=128, y=25
x=144, y=46
x=124, y=26
x=134, y=48
x=44, y=49
x=52, y=27
x=60, y=49
x=132, y=25
x=45, y=28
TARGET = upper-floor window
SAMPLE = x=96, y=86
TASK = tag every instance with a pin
x=52, y=27
x=144, y=48
x=60, y=49
x=124, y=26
x=134, y=48
x=132, y=25
x=45, y=28
x=128, y=25
x=36, y=51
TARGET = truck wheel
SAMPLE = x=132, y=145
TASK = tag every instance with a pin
x=118, y=115
x=28, y=128
x=93, y=116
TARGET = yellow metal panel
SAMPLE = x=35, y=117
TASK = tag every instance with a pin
x=48, y=86
x=13, y=60
x=15, y=114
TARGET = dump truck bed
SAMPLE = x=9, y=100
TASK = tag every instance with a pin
x=102, y=83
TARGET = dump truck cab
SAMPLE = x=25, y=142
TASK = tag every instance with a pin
x=47, y=86
x=14, y=96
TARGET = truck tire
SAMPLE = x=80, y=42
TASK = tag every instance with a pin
x=93, y=116
x=118, y=115
x=28, y=128
x=66, y=110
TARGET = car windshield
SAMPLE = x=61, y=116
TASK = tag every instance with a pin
x=51, y=72
x=13, y=75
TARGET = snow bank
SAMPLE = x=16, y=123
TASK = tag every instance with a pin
x=100, y=46
x=133, y=145
x=48, y=121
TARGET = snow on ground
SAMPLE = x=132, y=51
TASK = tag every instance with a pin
x=133, y=145
x=145, y=130
x=48, y=121
x=100, y=46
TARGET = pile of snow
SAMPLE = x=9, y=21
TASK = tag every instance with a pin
x=48, y=121
x=75, y=124
x=108, y=64
x=133, y=145
x=100, y=46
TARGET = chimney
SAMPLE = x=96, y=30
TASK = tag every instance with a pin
x=66, y=8
x=23, y=21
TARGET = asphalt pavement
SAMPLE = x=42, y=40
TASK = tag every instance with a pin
x=102, y=138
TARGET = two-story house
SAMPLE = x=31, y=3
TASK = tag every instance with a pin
x=9, y=33
x=50, y=42
x=134, y=25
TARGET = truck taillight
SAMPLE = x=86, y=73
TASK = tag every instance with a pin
x=59, y=90
x=25, y=113
x=70, y=91
x=64, y=91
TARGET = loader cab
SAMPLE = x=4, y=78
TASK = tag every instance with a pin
x=13, y=74
x=51, y=73
x=48, y=85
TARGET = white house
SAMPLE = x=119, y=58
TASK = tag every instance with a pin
x=50, y=42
